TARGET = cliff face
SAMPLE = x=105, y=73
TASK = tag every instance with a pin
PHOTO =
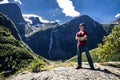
x=4, y=21
x=64, y=43
x=61, y=43
x=39, y=42
x=13, y=12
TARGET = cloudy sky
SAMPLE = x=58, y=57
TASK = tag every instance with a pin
x=103, y=11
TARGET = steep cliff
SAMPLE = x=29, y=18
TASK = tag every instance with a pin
x=13, y=12
x=4, y=21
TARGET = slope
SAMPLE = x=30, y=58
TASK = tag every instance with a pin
x=14, y=55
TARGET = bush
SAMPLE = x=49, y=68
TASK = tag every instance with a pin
x=36, y=65
x=110, y=49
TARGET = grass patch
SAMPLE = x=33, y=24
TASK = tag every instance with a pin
x=53, y=65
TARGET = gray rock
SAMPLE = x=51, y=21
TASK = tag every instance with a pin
x=69, y=73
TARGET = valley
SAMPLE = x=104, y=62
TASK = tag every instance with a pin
x=35, y=49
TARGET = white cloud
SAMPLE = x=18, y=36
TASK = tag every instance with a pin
x=27, y=16
x=68, y=8
x=18, y=1
x=4, y=1
x=7, y=1
x=117, y=15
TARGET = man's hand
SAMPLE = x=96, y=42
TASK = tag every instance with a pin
x=76, y=38
x=81, y=38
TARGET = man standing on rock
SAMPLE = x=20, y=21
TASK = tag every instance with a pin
x=81, y=37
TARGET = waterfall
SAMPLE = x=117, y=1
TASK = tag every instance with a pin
x=51, y=43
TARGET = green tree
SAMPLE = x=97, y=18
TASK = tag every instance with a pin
x=110, y=49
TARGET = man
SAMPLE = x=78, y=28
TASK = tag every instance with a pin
x=81, y=37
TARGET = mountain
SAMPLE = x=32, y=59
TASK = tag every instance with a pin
x=37, y=21
x=33, y=20
x=58, y=43
x=39, y=42
x=117, y=21
x=13, y=11
x=14, y=54
x=4, y=21
x=108, y=27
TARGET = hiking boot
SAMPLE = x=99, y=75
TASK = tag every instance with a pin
x=92, y=68
x=78, y=67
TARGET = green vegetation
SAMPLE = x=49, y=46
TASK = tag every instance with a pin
x=36, y=65
x=110, y=49
x=14, y=54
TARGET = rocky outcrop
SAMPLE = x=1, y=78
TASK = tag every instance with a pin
x=69, y=73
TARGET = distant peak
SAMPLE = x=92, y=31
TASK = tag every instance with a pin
x=85, y=16
x=27, y=16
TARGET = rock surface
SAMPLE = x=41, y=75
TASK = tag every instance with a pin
x=70, y=73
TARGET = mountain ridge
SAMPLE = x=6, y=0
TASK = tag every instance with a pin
x=4, y=21
x=12, y=11
x=9, y=10
x=64, y=44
